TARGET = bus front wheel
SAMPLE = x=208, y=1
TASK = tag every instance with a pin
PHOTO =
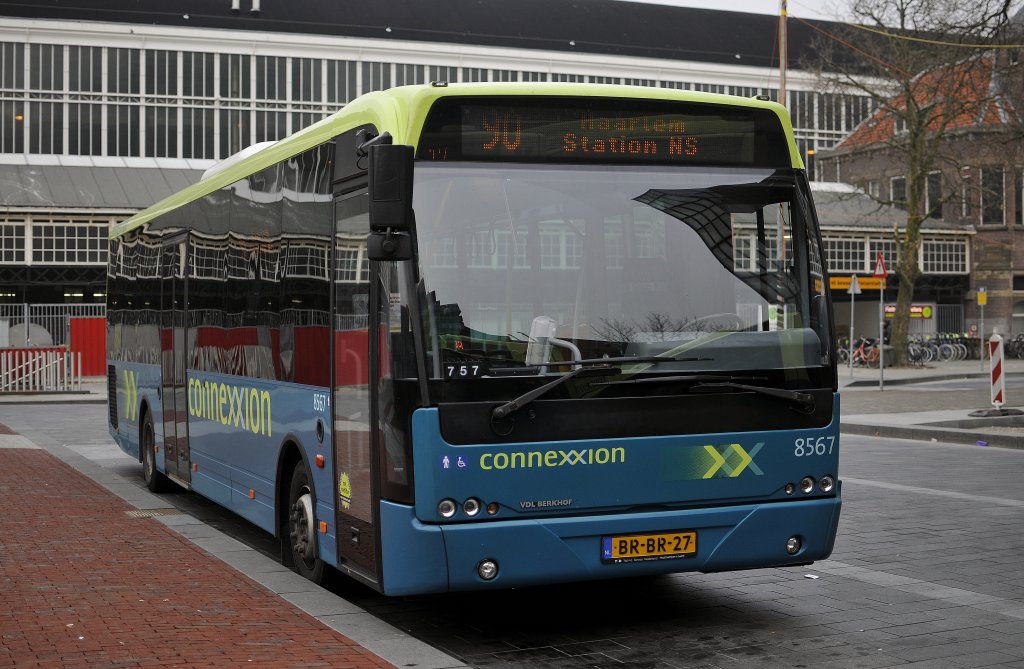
x=302, y=537
x=155, y=480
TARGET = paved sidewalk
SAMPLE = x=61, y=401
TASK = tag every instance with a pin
x=908, y=408
x=89, y=580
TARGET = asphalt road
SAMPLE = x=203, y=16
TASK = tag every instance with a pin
x=926, y=570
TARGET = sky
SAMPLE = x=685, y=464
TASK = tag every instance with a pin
x=805, y=9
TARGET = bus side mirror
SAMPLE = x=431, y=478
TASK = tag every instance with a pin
x=391, y=188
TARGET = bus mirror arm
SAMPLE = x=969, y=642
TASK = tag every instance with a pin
x=389, y=245
x=366, y=139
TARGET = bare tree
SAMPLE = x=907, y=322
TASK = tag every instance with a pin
x=933, y=71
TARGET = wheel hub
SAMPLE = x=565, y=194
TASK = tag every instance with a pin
x=302, y=526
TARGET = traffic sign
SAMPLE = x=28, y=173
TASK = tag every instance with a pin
x=864, y=282
x=982, y=296
x=880, y=267
x=854, y=288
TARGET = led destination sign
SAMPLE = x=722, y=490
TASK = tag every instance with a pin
x=604, y=130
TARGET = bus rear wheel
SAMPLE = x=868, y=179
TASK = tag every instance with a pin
x=302, y=539
x=155, y=480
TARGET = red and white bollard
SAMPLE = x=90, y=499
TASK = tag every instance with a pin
x=995, y=353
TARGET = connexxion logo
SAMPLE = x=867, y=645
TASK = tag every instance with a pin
x=553, y=458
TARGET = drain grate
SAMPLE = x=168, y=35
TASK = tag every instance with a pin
x=152, y=513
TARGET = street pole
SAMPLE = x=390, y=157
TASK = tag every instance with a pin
x=981, y=338
x=853, y=291
x=881, y=336
x=852, y=296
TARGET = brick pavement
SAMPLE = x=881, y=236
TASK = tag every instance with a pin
x=83, y=584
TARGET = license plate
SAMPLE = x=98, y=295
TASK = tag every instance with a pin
x=643, y=547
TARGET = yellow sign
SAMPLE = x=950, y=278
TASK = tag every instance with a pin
x=866, y=282
x=982, y=297
x=345, y=491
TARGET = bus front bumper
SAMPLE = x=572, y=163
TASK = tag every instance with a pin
x=420, y=558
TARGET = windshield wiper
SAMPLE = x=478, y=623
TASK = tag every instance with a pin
x=696, y=378
x=804, y=401
x=502, y=411
x=625, y=360
x=479, y=353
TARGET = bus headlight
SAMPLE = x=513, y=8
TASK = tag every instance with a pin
x=446, y=508
x=471, y=506
x=827, y=483
x=793, y=545
x=807, y=485
x=487, y=569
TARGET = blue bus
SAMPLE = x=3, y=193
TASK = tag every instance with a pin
x=462, y=337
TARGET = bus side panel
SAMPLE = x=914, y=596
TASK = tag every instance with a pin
x=137, y=384
x=237, y=429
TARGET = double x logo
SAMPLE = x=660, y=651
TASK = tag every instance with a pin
x=572, y=458
x=131, y=396
x=732, y=459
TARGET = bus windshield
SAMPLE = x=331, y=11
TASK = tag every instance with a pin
x=524, y=265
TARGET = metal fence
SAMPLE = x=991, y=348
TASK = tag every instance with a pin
x=34, y=325
x=39, y=370
x=949, y=318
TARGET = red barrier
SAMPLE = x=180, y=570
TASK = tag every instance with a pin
x=89, y=337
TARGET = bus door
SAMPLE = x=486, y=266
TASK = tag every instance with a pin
x=353, y=380
x=172, y=359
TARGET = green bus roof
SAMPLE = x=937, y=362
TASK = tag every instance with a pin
x=402, y=111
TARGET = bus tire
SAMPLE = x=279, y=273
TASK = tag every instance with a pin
x=302, y=537
x=155, y=480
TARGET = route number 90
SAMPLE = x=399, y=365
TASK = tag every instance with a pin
x=506, y=130
x=812, y=446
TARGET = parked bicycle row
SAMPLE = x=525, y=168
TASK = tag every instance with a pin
x=921, y=349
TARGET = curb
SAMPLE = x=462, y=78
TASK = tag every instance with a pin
x=946, y=435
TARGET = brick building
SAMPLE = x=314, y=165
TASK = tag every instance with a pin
x=976, y=186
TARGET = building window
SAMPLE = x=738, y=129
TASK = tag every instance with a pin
x=944, y=256
x=898, y=192
x=933, y=195
x=444, y=73
x=85, y=129
x=161, y=73
x=743, y=253
x=69, y=241
x=992, y=195
x=307, y=79
x=966, y=195
x=198, y=133
x=844, y=255
x=535, y=76
x=504, y=75
x=123, y=73
x=234, y=77
x=474, y=74
x=341, y=81
x=162, y=131
x=376, y=76
x=889, y=253
x=85, y=67
x=271, y=78
x=197, y=81
x=1018, y=195
x=12, y=242
x=406, y=75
